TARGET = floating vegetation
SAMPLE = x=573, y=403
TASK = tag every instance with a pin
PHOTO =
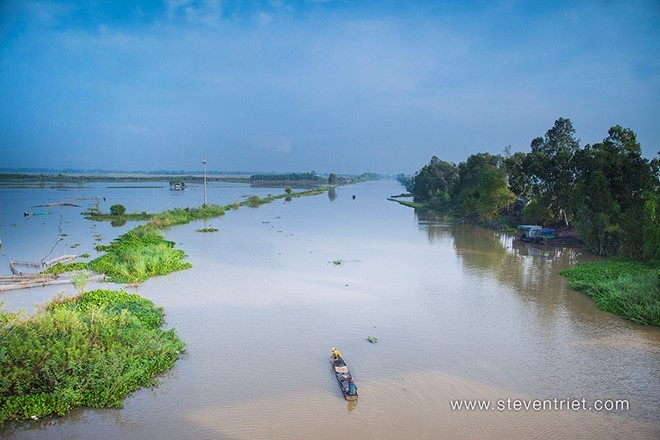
x=73, y=246
x=91, y=350
x=118, y=216
x=372, y=339
x=85, y=255
x=138, y=255
x=182, y=216
x=60, y=268
x=207, y=230
x=337, y=262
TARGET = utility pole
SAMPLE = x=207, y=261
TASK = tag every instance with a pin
x=204, y=162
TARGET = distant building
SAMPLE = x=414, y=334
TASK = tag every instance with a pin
x=177, y=185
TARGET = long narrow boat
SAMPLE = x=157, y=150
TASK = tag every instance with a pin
x=344, y=378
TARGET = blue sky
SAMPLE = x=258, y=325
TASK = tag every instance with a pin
x=336, y=85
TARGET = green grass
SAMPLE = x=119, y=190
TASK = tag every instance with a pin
x=66, y=267
x=91, y=350
x=92, y=214
x=629, y=289
x=182, y=216
x=138, y=255
x=410, y=204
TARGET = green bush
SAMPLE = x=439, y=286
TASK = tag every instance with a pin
x=253, y=201
x=91, y=350
x=117, y=210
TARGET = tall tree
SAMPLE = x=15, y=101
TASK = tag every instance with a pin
x=551, y=165
x=517, y=174
x=434, y=182
x=612, y=190
x=481, y=189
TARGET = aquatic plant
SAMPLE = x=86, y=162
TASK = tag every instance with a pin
x=90, y=350
x=182, y=216
x=207, y=230
x=372, y=339
x=627, y=288
x=337, y=262
x=66, y=267
x=138, y=255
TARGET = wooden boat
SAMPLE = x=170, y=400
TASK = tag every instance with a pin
x=344, y=378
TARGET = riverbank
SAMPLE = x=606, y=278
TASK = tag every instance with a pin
x=91, y=350
x=626, y=288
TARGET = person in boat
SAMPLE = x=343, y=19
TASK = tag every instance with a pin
x=336, y=354
x=352, y=389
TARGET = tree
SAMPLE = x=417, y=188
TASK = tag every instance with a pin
x=517, y=174
x=481, y=190
x=332, y=179
x=612, y=197
x=117, y=209
x=551, y=165
x=434, y=182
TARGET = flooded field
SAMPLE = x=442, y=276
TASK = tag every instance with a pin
x=460, y=313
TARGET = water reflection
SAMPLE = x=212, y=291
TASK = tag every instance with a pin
x=332, y=194
x=530, y=271
x=436, y=225
x=351, y=405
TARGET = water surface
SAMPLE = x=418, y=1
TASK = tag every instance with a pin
x=460, y=313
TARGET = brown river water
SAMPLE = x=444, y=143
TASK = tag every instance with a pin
x=461, y=313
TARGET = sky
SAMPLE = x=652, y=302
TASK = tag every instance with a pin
x=326, y=85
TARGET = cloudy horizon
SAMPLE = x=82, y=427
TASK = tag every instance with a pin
x=331, y=86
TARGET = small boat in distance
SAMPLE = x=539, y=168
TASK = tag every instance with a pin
x=344, y=378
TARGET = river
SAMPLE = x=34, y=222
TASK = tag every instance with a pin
x=460, y=313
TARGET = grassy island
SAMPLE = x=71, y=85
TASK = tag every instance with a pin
x=138, y=255
x=91, y=350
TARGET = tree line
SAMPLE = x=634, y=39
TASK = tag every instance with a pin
x=607, y=191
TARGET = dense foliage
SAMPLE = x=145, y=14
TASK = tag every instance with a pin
x=91, y=350
x=607, y=191
x=117, y=209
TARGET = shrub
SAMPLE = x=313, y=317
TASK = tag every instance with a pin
x=90, y=350
x=117, y=210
